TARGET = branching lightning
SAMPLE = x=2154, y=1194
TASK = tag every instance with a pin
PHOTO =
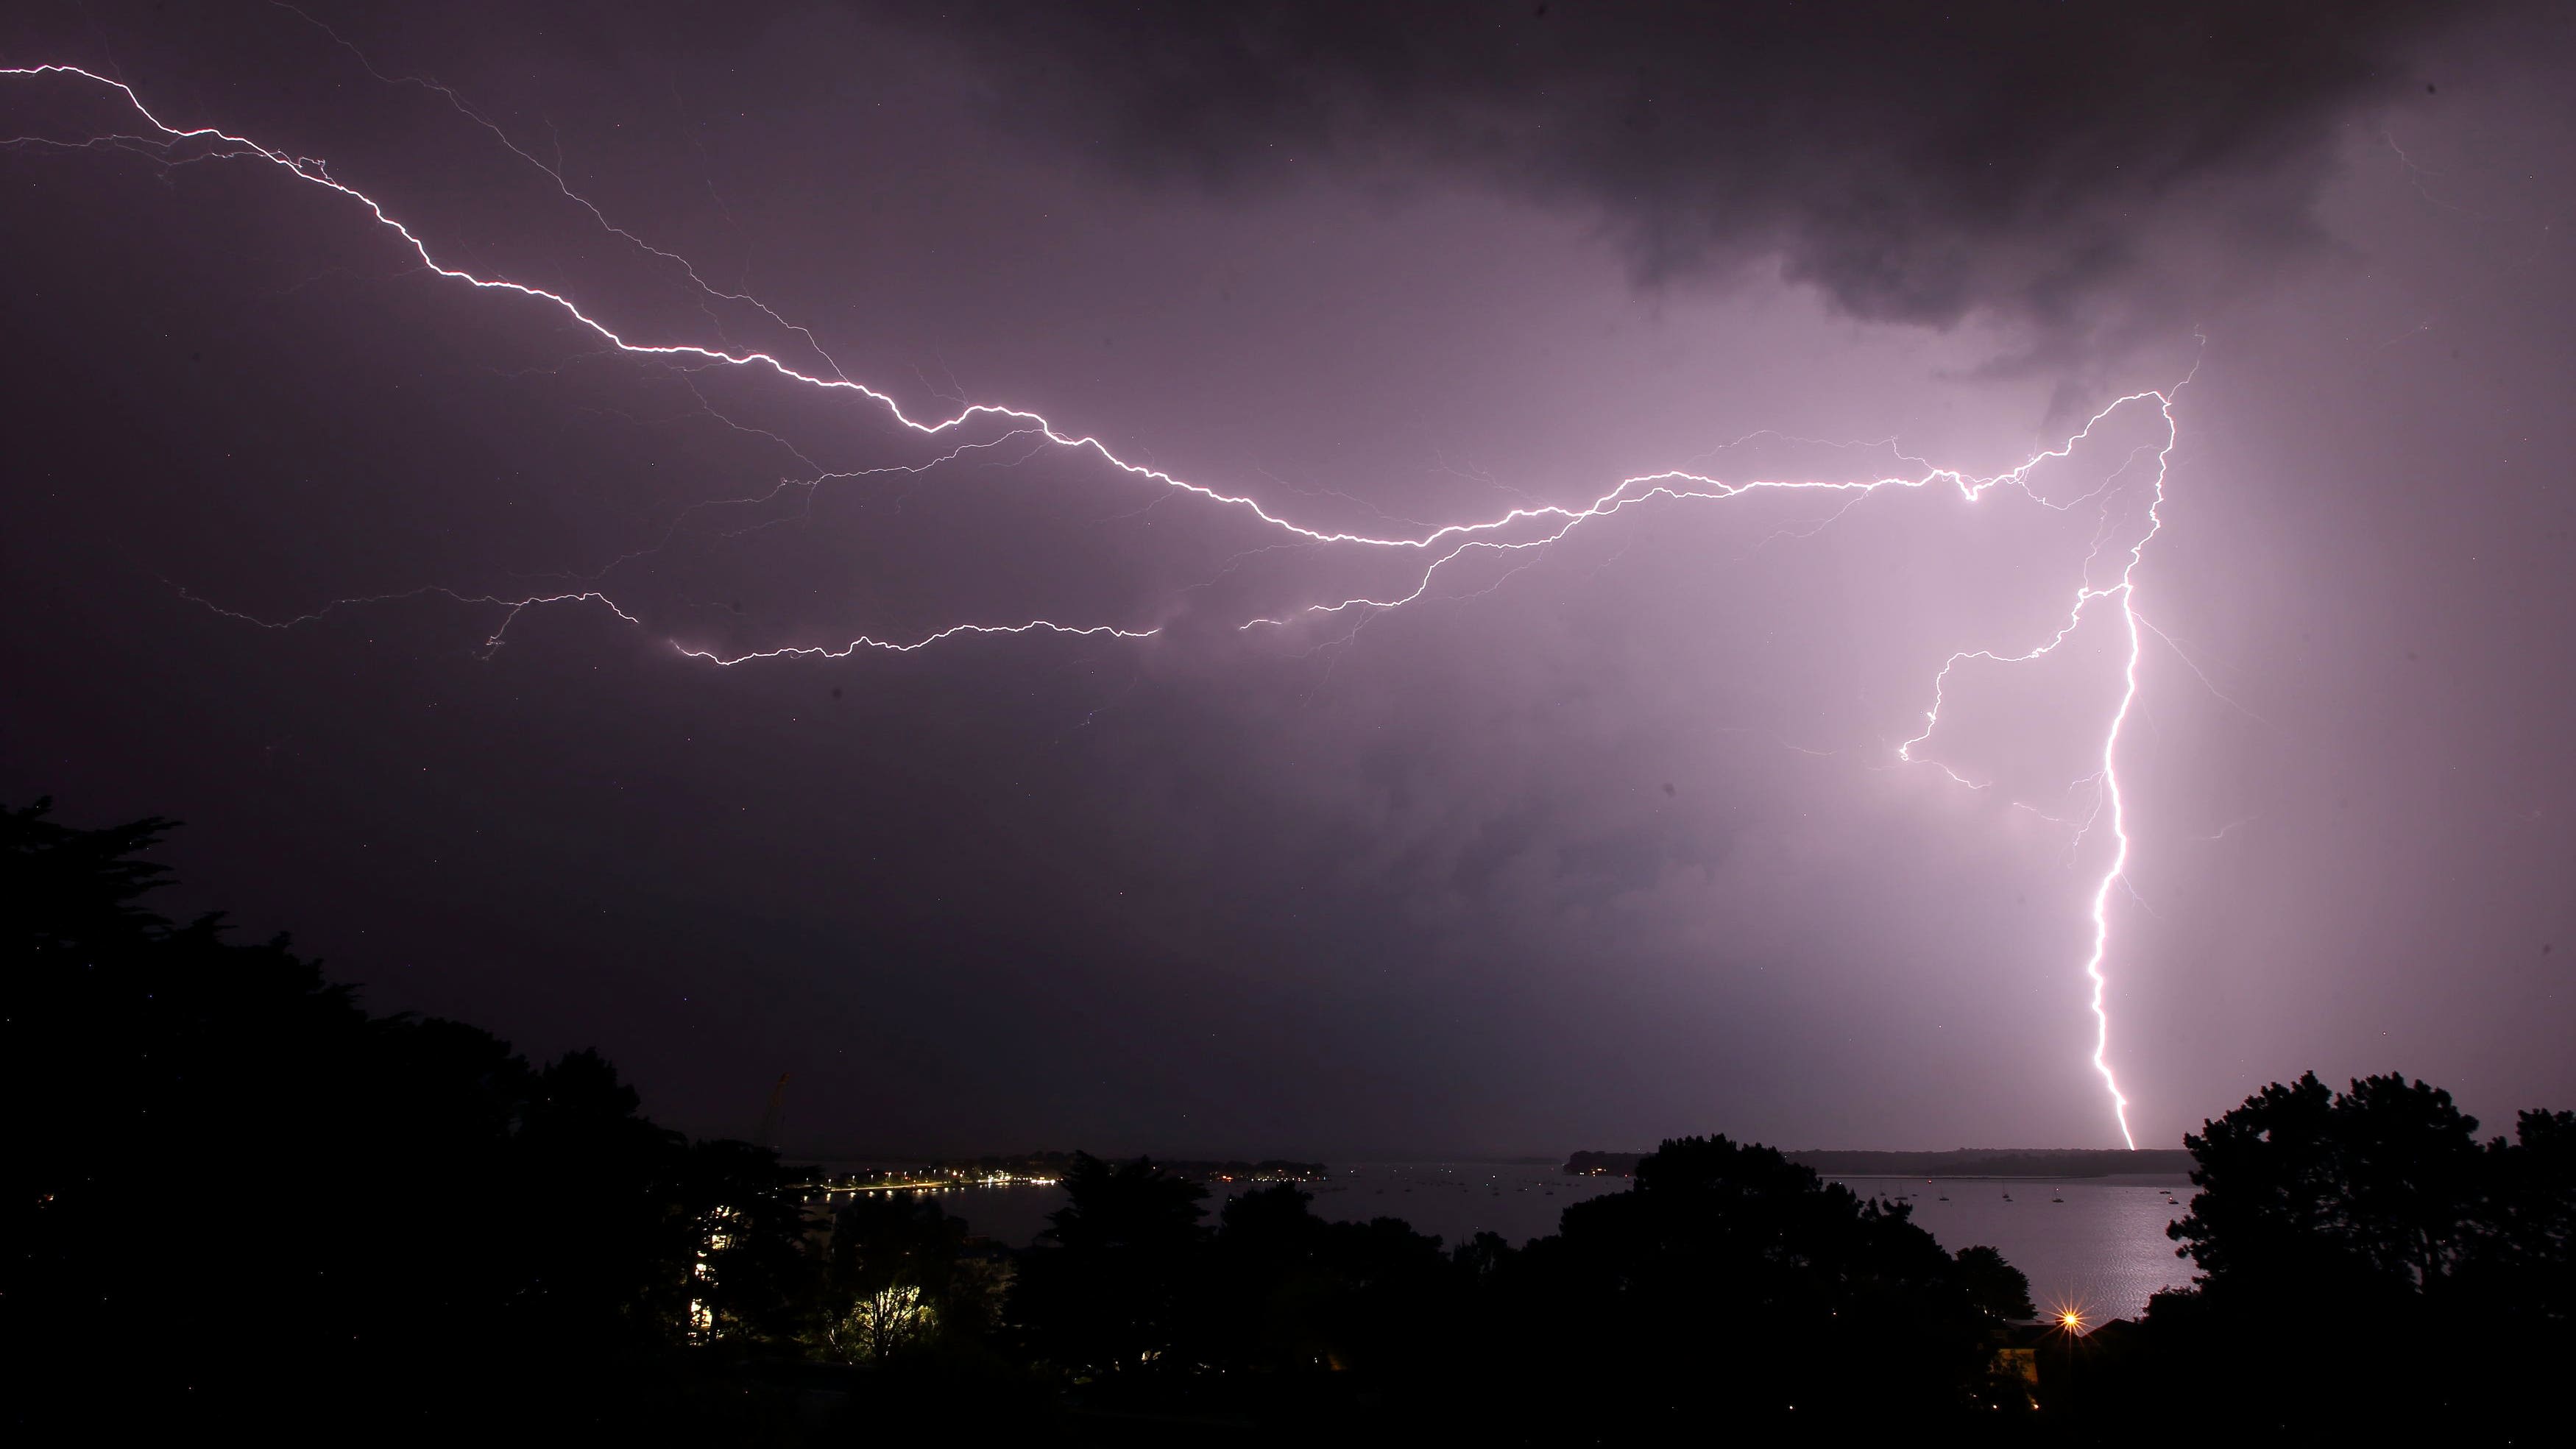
x=1521, y=530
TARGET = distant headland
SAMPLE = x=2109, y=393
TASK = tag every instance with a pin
x=1962, y=1162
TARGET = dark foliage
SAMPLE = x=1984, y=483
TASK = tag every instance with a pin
x=1998, y=1289
x=233, y=1191
x=238, y=1199
x=1729, y=1273
x=2368, y=1267
x=260, y=1204
x=1108, y=1295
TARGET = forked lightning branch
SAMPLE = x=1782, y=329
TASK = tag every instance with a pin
x=2107, y=603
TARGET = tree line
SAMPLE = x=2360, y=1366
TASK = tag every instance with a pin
x=236, y=1197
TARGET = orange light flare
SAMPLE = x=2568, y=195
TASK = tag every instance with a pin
x=2069, y=1317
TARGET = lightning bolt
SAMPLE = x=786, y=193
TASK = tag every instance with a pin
x=1524, y=530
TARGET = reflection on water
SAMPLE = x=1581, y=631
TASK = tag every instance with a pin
x=2097, y=1246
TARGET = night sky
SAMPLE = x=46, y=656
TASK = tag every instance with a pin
x=1586, y=845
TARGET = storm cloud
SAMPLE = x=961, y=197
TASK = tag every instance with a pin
x=2076, y=170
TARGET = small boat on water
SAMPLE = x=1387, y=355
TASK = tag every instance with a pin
x=1945, y=1197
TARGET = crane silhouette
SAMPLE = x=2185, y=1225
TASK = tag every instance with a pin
x=767, y=1136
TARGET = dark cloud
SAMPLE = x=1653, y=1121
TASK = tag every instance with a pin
x=2063, y=167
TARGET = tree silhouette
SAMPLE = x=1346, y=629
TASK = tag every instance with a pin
x=2348, y=1242
x=1106, y=1290
x=2524, y=1271
x=328, y=1208
x=1786, y=1298
x=406, y=1219
x=2000, y=1291
x=2344, y=1197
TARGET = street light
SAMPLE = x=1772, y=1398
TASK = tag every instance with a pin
x=2070, y=1322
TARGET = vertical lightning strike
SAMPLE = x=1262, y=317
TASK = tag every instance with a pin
x=2118, y=871
x=1521, y=529
x=2113, y=875
x=2113, y=800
